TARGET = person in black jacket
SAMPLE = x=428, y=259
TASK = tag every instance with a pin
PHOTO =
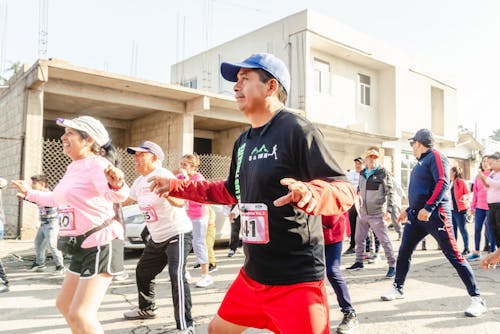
x=283, y=178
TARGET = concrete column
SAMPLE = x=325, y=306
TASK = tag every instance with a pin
x=32, y=158
x=186, y=130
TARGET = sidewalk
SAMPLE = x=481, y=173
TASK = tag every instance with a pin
x=434, y=303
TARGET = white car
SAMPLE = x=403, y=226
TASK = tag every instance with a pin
x=135, y=224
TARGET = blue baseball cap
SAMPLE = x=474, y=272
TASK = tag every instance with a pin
x=423, y=136
x=265, y=61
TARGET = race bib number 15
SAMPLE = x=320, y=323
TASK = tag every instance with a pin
x=254, y=223
x=149, y=213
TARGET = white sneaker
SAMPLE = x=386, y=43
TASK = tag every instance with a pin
x=120, y=278
x=393, y=293
x=476, y=308
x=187, y=275
x=137, y=313
x=4, y=288
x=205, y=281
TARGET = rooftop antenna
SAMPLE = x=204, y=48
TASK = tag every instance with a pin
x=43, y=28
x=3, y=35
x=133, y=61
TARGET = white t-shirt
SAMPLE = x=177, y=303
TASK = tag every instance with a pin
x=164, y=221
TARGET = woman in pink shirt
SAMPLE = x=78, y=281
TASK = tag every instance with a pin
x=479, y=206
x=84, y=197
x=198, y=213
x=492, y=184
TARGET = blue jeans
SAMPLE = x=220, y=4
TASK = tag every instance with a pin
x=47, y=235
x=458, y=219
x=333, y=253
x=481, y=217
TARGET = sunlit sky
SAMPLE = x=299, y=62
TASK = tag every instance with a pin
x=460, y=37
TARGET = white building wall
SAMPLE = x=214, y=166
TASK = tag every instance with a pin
x=401, y=101
x=340, y=106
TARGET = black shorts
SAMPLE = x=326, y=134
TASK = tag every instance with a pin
x=108, y=258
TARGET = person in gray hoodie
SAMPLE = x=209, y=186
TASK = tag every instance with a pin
x=377, y=200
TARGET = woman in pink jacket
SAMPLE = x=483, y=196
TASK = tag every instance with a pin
x=84, y=197
x=479, y=206
x=460, y=198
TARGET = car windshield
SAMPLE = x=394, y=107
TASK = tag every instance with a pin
x=132, y=214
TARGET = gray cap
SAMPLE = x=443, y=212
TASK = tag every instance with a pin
x=89, y=125
x=148, y=146
x=424, y=137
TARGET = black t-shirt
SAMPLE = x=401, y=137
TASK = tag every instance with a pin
x=287, y=146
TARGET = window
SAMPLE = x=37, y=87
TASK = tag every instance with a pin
x=191, y=83
x=321, y=76
x=364, y=89
x=408, y=161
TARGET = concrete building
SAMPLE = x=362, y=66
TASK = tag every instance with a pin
x=180, y=119
x=359, y=91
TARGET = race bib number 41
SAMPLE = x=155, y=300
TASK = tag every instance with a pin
x=254, y=223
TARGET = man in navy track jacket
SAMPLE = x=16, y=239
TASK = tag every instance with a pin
x=429, y=213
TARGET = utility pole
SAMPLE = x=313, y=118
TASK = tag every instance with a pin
x=43, y=28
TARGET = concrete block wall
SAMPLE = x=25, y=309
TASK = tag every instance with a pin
x=163, y=128
x=224, y=140
x=12, y=106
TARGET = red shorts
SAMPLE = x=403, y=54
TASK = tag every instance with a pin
x=297, y=308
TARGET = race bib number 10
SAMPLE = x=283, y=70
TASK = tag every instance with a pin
x=254, y=223
x=66, y=219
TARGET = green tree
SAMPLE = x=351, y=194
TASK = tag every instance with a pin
x=13, y=68
x=496, y=135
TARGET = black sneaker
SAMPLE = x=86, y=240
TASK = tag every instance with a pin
x=196, y=266
x=356, y=266
x=348, y=323
x=212, y=268
x=466, y=252
x=349, y=251
x=38, y=267
x=391, y=272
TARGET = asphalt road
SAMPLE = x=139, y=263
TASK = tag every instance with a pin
x=434, y=303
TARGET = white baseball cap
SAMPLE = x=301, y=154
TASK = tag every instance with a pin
x=148, y=146
x=90, y=125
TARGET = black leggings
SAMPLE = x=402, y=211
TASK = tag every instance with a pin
x=494, y=220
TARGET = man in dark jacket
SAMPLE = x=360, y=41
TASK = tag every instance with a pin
x=377, y=196
x=429, y=213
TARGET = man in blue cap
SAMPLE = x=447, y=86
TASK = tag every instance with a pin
x=428, y=212
x=283, y=178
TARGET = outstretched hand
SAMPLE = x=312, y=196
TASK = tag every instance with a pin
x=298, y=193
x=22, y=188
x=160, y=185
x=114, y=176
